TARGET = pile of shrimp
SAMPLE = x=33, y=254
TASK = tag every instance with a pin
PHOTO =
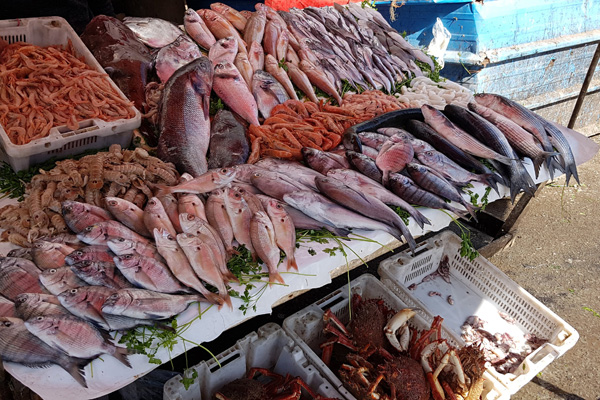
x=295, y=124
x=127, y=174
x=45, y=87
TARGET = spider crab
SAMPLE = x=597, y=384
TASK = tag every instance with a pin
x=278, y=387
x=381, y=357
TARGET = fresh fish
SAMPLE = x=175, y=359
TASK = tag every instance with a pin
x=146, y=304
x=57, y=280
x=75, y=337
x=191, y=204
x=232, y=89
x=100, y=273
x=291, y=56
x=93, y=253
x=228, y=143
x=231, y=14
x=246, y=14
x=30, y=305
x=48, y=255
x=184, y=120
x=458, y=137
x=66, y=238
x=320, y=208
x=180, y=266
x=19, y=345
x=255, y=27
x=560, y=142
x=221, y=27
x=79, y=216
x=239, y=214
x=364, y=204
x=275, y=184
x=169, y=202
x=99, y=233
x=365, y=165
x=201, y=258
x=154, y=32
x=256, y=56
x=272, y=67
x=362, y=183
x=283, y=42
x=393, y=157
x=370, y=152
x=223, y=51
x=253, y=202
x=7, y=308
x=449, y=170
x=407, y=189
x=14, y=280
x=300, y=79
x=196, y=28
x=268, y=92
x=263, y=240
x=322, y=161
x=216, y=215
x=292, y=169
x=271, y=13
x=285, y=231
x=21, y=252
x=269, y=41
x=128, y=214
x=174, y=56
x=390, y=131
x=207, y=182
x=317, y=77
x=23, y=263
x=155, y=216
x=148, y=273
x=372, y=139
x=242, y=63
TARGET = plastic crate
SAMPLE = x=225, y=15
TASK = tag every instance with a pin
x=270, y=347
x=306, y=328
x=61, y=141
x=478, y=288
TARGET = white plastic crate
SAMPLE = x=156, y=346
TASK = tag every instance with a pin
x=478, y=288
x=270, y=347
x=61, y=141
x=306, y=328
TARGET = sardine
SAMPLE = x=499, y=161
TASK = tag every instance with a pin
x=30, y=305
x=263, y=241
x=322, y=161
x=79, y=216
x=393, y=157
x=239, y=215
x=196, y=28
x=365, y=165
x=255, y=27
x=221, y=27
x=128, y=214
x=216, y=215
x=93, y=253
x=57, y=280
x=174, y=56
x=256, y=56
x=100, y=273
x=14, y=280
x=48, y=255
x=232, y=89
x=317, y=77
x=154, y=32
x=300, y=79
x=148, y=273
x=207, y=182
x=224, y=51
x=285, y=231
x=231, y=14
x=99, y=233
x=242, y=63
x=228, y=143
x=273, y=68
x=268, y=92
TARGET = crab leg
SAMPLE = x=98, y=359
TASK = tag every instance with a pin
x=395, y=323
x=328, y=316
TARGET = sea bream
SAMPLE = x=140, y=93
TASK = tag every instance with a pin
x=154, y=32
x=30, y=305
x=205, y=183
x=365, y=165
x=268, y=92
x=232, y=89
x=256, y=56
x=99, y=233
x=292, y=169
x=275, y=184
x=255, y=27
x=128, y=214
x=79, y=216
x=148, y=273
x=155, y=216
x=231, y=14
x=184, y=117
x=239, y=214
x=48, y=255
x=191, y=204
x=196, y=28
x=14, y=280
x=323, y=161
x=169, y=203
x=7, y=308
x=224, y=51
x=393, y=157
x=23, y=263
x=285, y=231
x=100, y=273
x=221, y=27
x=216, y=215
x=94, y=253
x=242, y=63
x=57, y=280
x=174, y=56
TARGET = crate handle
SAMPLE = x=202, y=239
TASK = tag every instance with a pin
x=12, y=23
x=227, y=359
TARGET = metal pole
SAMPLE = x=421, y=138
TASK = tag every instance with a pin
x=584, y=87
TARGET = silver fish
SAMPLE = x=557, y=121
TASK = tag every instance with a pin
x=154, y=32
x=174, y=56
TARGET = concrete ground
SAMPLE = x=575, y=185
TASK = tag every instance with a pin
x=556, y=257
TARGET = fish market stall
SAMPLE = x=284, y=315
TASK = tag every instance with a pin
x=276, y=151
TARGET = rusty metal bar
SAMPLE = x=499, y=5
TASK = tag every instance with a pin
x=584, y=87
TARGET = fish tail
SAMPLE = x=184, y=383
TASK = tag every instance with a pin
x=275, y=277
x=75, y=367
x=539, y=160
x=460, y=213
x=337, y=231
x=402, y=230
x=162, y=190
x=491, y=180
x=226, y=299
x=291, y=259
x=386, y=177
x=232, y=252
x=214, y=299
x=121, y=354
x=571, y=171
x=503, y=159
x=471, y=209
x=419, y=218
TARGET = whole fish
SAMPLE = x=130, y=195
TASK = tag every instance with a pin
x=322, y=161
x=256, y=56
x=449, y=170
x=365, y=165
x=322, y=209
x=207, y=182
x=250, y=198
x=75, y=337
x=272, y=67
x=146, y=304
x=223, y=51
x=169, y=202
x=255, y=27
x=155, y=216
x=271, y=13
x=300, y=79
x=216, y=215
x=48, y=255
x=364, y=184
x=99, y=233
x=370, y=152
x=246, y=14
x=562, y=145
x=30, y=305
x=14, y=280
x=242, y=63
x=291, y=56
x=393, y=157
x=221, y=27
x=239, y=214
x=275, y=184
x=66, y=238
x=318, y=78
x=174, y=56
x=19, y=345
x=232, y=89
x=93, y=253
x=231, y=14
x=292, y=169
x=154, y=32
x=459, y=137
x=285, y=231
x=228, y=143
x=23, y=263
x=180, y=266
x=79, y=216
x=283, y=42
x=373, y=139
x=364, y=204
x=269, y=41
x=100, y=273
x=184, y=117
x=148, y=273
x=391, y=131
x=7, y=308
x=268, y=92
x=128, y=214
x=263, y=240
x=196, y=28
x=57, y=280
x=191, y=204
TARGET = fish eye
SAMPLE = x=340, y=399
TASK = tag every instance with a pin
x=121, y=239
x=224, y=170
x=73, y=291
x=191, y=217
x=112, y=202
x=113, y=296
x=7, y=323
x=52, y=271
x=88, y=229
x=79, y=253
x=39, y=318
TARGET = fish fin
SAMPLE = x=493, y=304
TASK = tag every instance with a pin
x=165, y=327
x=275, y=277
x=214, y=298
x=491, y=180
x=292, y=263
x=539, y=160
x=232, y=252
x=121, y=354
x=471, y=209
x=505, y=160
x=226, y=300
x=153, y=316
x=572, y=171
x=75, y=369
x=386, y=177
x=337, y=231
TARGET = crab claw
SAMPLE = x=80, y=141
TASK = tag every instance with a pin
x=398, y=322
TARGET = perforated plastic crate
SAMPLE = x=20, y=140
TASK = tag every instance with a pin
x=306, y=328
x=270, y=347
x=61, y=141
x=478, y=288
